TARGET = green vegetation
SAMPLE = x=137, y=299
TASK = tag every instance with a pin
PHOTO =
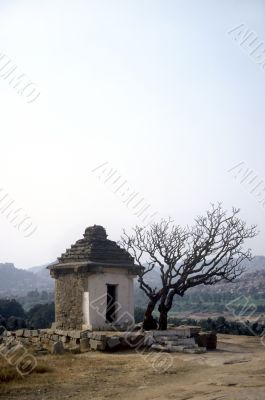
x=221, y=325
x=34, y=297
x=219, y=302
x=218, y=325
x=41, y=316
x=11, y=307
x=13, y=316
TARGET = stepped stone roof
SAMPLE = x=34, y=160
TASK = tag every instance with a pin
x=93, y=250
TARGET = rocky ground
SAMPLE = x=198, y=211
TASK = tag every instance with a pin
x=235, y=371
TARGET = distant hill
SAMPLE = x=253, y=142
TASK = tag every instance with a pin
x=42, y=272
x=257, y=264
x=18, y=282
x=252, y=282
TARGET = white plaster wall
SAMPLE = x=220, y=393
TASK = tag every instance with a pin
x=95, y=300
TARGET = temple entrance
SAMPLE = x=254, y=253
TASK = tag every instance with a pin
x=111, y=303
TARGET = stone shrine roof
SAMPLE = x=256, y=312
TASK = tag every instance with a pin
x=95, y=249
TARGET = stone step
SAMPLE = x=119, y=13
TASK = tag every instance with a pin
x=198, y=350
x=178, y=349
x=185, y=345
x=175, y=340
x=167, y=333
x=180, y=331
x=159, y=347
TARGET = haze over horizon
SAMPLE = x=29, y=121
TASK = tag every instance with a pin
x=158, y=90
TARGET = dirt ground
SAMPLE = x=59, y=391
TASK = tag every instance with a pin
x=236, y=371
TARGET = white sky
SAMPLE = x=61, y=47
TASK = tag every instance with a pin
x=156, y=88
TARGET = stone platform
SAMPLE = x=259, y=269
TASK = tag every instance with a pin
x=187, y=339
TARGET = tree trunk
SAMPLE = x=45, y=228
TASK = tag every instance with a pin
x=162, y=317
x=149, y=322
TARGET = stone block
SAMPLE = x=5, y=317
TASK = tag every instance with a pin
x=187, y=330
x=164, y=333
x=57, y=348
x=20, y=332
x=74, y=334
x=97, y=345
x=86, y=334
x=149, y=340
x=206, y=339
x=99, y=336
x=113, y=343
x=84, y=344
x=27, y=333
x=175, y=341
x=64, y=339
x=159, y=347
x=134, y=339
x=175, y=349
x=35, y=333
x=60, y=332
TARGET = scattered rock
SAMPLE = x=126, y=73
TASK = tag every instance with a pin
x=134, y=339
x=113, y=343
x=206, y=339
x=97, y=345
x=57, y=348
x=84, y=345
x=149, y=340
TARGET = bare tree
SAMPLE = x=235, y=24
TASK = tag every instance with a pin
x=206, y=253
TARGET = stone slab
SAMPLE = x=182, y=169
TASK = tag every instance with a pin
x=175, y=341
x=113, y=343
x=74, y=334
x=97, y=345
x=57, y=348
x=84, y=344
x=86, y=334
x=20, y=332
x=198, y=350
x=159, y=347
x=99, y=336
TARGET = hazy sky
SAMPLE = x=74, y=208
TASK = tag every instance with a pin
x=158, y=89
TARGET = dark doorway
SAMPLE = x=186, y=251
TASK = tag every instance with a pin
x=111, y=303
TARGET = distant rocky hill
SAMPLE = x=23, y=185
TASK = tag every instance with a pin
x=252, y=282
x=18, y=282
